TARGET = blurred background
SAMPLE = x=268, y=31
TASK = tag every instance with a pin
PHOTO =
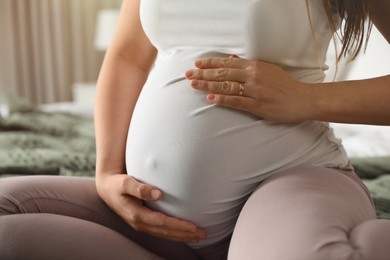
x=52, y=50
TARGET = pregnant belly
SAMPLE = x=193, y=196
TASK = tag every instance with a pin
x=207, y=159
x=182, y=145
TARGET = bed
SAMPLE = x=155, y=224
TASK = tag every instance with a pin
x=59, y=140
x=51, y=140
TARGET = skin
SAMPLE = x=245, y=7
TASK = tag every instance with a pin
x=269, y=93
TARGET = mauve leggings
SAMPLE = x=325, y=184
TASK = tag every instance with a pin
x=305, y=213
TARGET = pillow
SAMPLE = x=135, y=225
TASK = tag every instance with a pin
x=12, y=104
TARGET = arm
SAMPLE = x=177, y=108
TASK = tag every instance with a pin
x=360, y=101
x=124, y=71
x=271, y=94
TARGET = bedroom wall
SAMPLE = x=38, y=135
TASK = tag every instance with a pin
x=374, y=62
x=47, y=45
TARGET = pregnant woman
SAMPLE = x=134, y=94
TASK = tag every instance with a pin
x=213, y=142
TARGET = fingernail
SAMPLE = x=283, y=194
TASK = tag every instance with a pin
x=155, y=194
x=195, y=83
x=211, y=97
x=190, y=74
x=198, y=63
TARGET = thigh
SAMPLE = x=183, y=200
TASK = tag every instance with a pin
x=68, y=196
x=75, y=197
x=51, y=236
x=303, y=213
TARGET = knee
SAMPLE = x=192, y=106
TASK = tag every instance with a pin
x=340, y=250
x=369, y=240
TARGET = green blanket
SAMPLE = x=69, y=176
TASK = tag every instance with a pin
x=371, y=167
x=36, y=142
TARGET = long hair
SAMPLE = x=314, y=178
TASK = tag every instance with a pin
x=357, y=16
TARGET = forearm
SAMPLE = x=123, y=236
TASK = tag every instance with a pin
x=119, y=85
x=360, y=101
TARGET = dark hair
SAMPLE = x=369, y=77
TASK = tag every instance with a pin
x=357, y=16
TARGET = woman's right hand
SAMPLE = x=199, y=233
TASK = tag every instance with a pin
x=125, y=196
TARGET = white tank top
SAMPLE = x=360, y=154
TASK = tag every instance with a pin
x=207, y=159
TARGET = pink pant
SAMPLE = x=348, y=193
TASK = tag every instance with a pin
x=310, y=214
x=304, y=214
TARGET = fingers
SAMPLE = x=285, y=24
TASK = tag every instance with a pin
x=141, y=190
x=221, y=70
x=164, y=226
x=125, y=196
x=217, y=74
x=225, y=62
x=158, y=224
x=236, y=102
x=173, y=235
x=225, y=87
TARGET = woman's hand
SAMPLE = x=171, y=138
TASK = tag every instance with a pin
x=262, y=89
x=124, y=195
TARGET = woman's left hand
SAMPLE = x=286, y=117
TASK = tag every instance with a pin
x=260, y=88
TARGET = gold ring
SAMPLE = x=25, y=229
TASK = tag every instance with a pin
x=241, y=90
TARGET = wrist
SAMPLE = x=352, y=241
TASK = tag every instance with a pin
x=311, y=102
x=333, y=102
x=101, y=176
x=109, y=166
